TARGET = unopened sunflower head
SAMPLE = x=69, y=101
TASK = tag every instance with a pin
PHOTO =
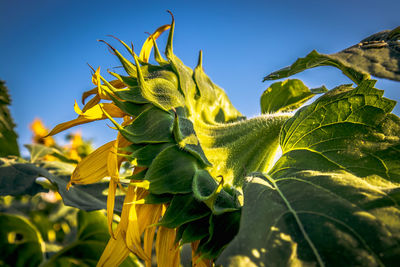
x=190, y=149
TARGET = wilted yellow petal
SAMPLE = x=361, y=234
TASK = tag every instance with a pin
x=115, y=252
x=94, y=167
x=94, y=113
x=197, y=261
x=148, y=44
x=133, y=235
x=167, y=251
x=110, y=205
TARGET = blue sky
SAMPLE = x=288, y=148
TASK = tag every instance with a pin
x=45, y=45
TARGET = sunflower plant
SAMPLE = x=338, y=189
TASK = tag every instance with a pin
x=300, y=184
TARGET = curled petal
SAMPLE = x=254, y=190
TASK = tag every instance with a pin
x=148, y=44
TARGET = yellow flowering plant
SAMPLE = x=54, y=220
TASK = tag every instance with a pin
x=300, y=184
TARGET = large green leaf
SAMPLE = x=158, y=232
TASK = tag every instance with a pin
x=20, y=242
x=332, y=198
x=377, y=55
x=8, y=137
x=18, y=177
x=346, y=129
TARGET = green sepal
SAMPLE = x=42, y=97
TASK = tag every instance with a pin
x=158, y=199
x=186, y=138
x=144, y=156
x=127, y=80
x=211, y=101
x=133, y=95
x=224, y=202
x=151, y=126
x=130, y=108
x=172, y=172
x=195, y=230
x=138, y=176
x=128, y=66
x=204, y=186
x=157, y=55
x=222, y=230
x=183, y=209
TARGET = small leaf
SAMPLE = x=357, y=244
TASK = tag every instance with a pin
x=285, y=96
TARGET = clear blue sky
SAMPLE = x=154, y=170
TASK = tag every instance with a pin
x=45, y=45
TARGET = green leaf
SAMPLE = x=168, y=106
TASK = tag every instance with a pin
x=39, y=151
x=346, y=129
x=18, y=177
x=377, y=55
x=8, y=137
x=20, y=242
x=332, y=198
x=285, y=96
x=318, y=218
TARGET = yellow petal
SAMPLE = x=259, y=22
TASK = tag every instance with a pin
x=167, y=251
x=110, y=205
x=94, y=167
x=92, y=102
x=116, y=83
x=197, y=261
x=92, y=114
x=133, y=235
x=115, y=252
x=148, y=44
